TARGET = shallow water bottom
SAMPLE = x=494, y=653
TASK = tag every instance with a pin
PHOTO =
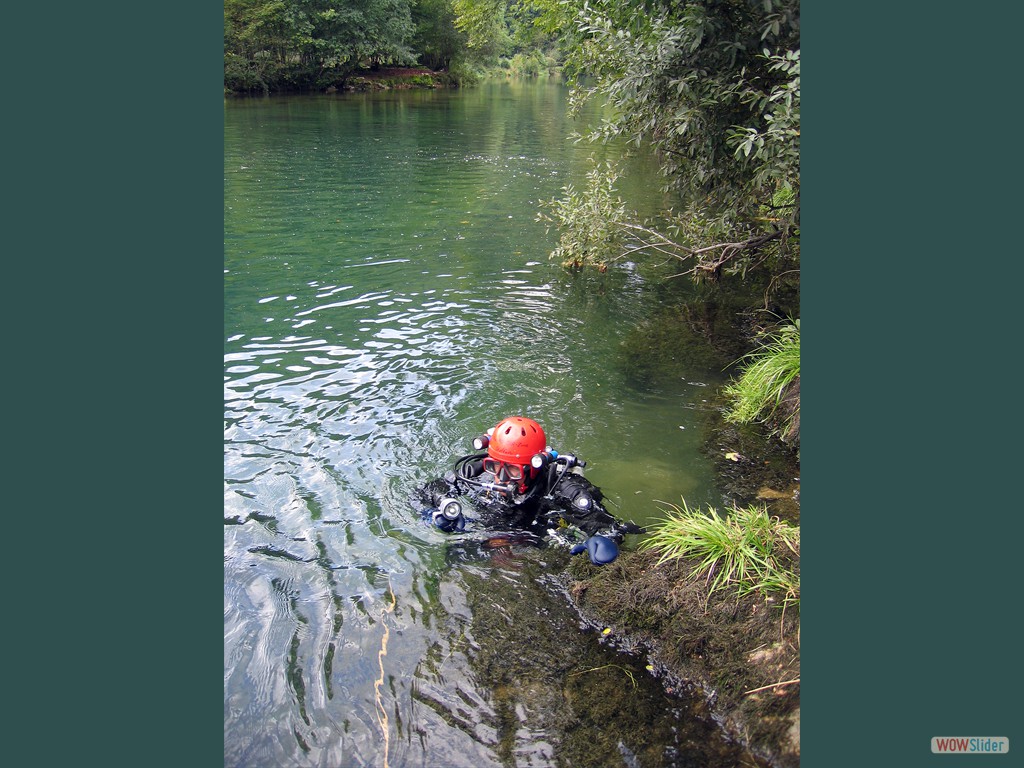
x=562, y=693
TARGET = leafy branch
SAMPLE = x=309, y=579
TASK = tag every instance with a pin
x=596, y=229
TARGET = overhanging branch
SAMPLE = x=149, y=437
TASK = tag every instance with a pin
x=709, y=259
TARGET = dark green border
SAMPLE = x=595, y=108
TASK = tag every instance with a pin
x=911, y=429
x=910, y=438
x=113, y=304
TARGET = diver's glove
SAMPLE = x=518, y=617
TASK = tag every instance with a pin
x=601, y=549
x=447, y=516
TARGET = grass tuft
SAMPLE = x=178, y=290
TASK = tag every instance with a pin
x=773, y=371
x=747, y=549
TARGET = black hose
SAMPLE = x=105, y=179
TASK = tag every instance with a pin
x=556, y=472
x=463, y=460
x=554, y=467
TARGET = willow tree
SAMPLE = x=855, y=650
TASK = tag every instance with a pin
x=714, y=87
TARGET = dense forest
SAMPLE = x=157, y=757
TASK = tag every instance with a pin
x=289, y=45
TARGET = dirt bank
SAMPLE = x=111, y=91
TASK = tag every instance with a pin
x=395, y=78
x=727, y=648
x=742, y=654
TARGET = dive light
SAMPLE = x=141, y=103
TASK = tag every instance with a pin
x=450, y=508
x=542, y=458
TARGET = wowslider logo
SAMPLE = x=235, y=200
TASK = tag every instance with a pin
x=970, y=745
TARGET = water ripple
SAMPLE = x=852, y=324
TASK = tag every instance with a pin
x=387, y=298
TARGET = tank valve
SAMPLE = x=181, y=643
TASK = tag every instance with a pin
x=572, y=461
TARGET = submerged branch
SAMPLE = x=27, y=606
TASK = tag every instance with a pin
x=726, y=252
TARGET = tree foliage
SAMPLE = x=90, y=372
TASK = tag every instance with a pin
x=310, y=43
x=714, y=87
x=503, y=27
x=437, y=41
x=484, y=24
x=593, y=221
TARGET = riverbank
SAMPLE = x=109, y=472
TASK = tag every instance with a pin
x=395, y=78
x=252, y=82
x=374, y=79
x=742, y=655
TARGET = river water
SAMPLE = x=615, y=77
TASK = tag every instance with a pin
x=388, y=296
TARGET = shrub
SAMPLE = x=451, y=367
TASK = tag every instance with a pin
x=590, y=220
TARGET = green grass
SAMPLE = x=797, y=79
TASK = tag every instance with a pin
x=770, y=373
x=745, y=549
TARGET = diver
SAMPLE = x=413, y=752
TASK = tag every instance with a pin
x=516, y=481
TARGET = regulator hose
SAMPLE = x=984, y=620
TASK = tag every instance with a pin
x=557, y=470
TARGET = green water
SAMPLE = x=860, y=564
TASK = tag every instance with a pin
x=388, y=296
